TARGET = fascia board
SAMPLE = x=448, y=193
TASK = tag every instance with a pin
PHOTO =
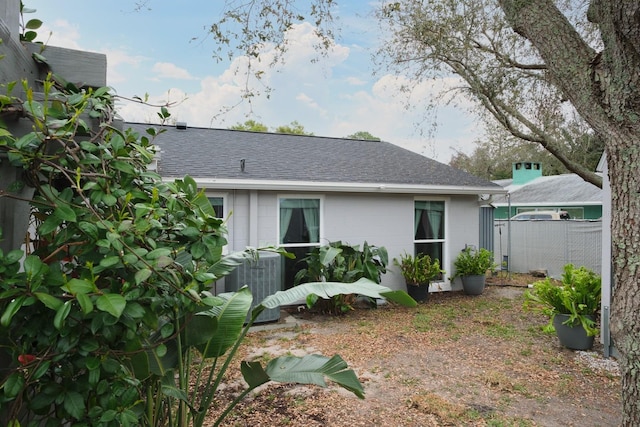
x=346, y=187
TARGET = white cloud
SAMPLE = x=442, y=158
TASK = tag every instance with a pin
x=355, y=81
x=167, y=70
x=60, y=33
x=323, y=104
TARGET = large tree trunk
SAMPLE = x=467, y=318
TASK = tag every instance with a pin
x=623, y=157
x=604, y=88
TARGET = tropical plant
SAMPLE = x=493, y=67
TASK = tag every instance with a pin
x=473, y=262
x=106, y=317
x=341, y=262
x=419, y=269
x=578, y=296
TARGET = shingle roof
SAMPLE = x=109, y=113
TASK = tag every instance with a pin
x=217, y=153
x=565, y=188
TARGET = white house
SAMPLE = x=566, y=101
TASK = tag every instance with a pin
x=303, y=191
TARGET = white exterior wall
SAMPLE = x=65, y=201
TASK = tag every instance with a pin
x=380, y=219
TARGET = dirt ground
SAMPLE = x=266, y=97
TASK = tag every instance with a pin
x=455, y=360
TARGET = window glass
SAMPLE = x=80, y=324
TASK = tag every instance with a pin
x=429, y=226
x=218, y=205
x=299, y=232
x=429, y=220
x=299, y=221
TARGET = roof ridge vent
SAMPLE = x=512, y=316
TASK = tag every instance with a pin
x=181, y=125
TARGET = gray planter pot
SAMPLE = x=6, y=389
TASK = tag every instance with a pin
x=572, y=336
x=473, y=285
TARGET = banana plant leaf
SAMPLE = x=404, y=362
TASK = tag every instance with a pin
x=231, y=316
x=327, y=290
x=310, y=369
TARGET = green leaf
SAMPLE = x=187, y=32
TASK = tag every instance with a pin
x=161, y=350
x=190, y=232
x=88, y=228
x=13, y=256
x=312, y=369
x=254, y=374
x=123, y=167
x=109, y=199
x=85, y=303
x=142, y=275
x=33, y=24
x=109, y=261
x=78, y=286
x=327, y=290
x=113, y=304
x=175, y=392
x=41, y=369
x=74, y=404
x=65, y=213
x=13, y=385
x=231, y=316
x=61, y=315
x=48, y=300
x=34, y=267
x=49, y=225
x=160, y=252
x=11, y=310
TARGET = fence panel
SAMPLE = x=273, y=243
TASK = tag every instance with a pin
x=549, y=245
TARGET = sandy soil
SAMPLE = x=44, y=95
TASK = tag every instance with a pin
x=455, y=360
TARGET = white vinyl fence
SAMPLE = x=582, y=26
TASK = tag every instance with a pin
x=548, y=245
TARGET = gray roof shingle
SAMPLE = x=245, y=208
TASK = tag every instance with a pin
x=217, y=153
x=565, y=188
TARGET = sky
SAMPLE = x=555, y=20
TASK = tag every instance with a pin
x=163, y=51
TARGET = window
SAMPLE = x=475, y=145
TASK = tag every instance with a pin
x=299, y=230
x=429, y=226
x=299, y=221
x=217, y=202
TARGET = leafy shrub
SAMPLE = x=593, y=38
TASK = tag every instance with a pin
x=106, y=318
x=418, y=270
x=341, y=262
x=578, y=296
x=473, y=262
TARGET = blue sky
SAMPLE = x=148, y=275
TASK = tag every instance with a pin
x=165, y=52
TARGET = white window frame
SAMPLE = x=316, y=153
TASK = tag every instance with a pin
x=444, y=241
x=320, y=199
x=223, y=196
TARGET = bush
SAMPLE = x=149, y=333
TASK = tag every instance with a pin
x=341, y=262
x=107, y=318
x=578, y=296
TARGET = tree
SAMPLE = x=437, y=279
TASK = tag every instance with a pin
x=494, y=154
x=539, y=68
x=294, y=128
x=363, y=134
x=250, y=125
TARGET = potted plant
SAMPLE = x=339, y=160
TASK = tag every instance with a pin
x=571, y=306
x=471, y=266
x=418, y=271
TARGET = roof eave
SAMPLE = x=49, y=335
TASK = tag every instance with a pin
x=345, y=187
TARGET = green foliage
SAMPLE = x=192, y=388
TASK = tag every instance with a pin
x=363, y=135
x=418, y=270
x=578, y=296
x=27, y=29
x=472, y=262
x=341, y=262
x=110, y=321
x=250, y=125
x=294, y=128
